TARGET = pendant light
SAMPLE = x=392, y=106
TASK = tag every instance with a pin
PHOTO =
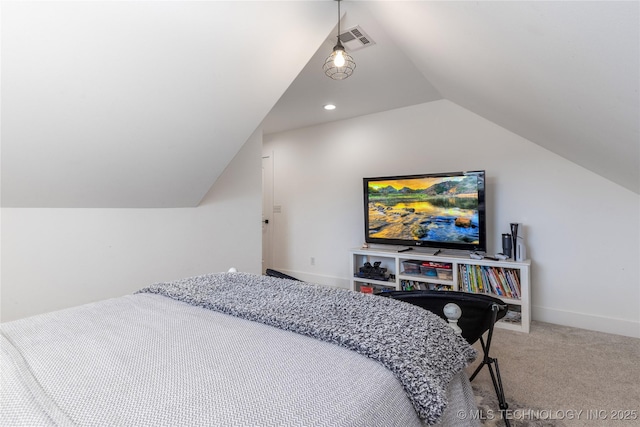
x=339, y=65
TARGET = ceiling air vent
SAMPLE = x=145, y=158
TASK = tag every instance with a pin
x=355, y=38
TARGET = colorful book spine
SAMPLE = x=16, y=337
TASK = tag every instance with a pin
x=502, y=282
x=512, y=276
x=488, y=289
x=494, y=283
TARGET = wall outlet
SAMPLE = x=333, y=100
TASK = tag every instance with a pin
x=312, y=260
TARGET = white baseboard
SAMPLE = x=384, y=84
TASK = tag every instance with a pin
x=592, y=322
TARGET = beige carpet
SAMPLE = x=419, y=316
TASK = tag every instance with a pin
x=575, y=376
x=519, y=414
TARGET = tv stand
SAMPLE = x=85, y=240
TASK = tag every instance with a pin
x=416, y=270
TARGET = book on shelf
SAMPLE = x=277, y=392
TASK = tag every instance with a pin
x=494, y=276
x=416, y=285
x=409, y=285
x=503, y=282
x=514, y=282
x=486, y=284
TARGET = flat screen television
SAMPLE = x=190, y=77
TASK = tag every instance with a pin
x=437, y=210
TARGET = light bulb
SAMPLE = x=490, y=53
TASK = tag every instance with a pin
x=339, y=59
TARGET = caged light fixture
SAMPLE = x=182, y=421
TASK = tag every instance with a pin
x=339, y=65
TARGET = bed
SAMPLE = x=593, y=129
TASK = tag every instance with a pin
x=235, y=349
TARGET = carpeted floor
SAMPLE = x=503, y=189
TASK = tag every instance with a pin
x=563, y=377
x=519, y=414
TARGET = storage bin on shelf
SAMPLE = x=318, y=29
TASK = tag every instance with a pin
x=411, y=266
x=443, y=270
x=444, y=273
x=427, y=270
x=440, y=270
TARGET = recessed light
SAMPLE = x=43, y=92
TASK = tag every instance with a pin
x=329, y=107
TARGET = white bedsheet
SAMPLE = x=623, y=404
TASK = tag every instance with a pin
x=147, y=360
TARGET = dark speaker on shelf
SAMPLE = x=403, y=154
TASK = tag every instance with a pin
x=506, y=245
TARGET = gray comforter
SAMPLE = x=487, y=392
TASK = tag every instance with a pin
x=147, y=360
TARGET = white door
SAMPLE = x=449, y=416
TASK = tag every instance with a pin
x=267, y=211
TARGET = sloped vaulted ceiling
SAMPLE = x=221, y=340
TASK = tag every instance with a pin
x=563, y=74
x=141, y=104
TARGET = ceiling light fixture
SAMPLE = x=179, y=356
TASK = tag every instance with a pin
x=339, y=65
x=329, y=107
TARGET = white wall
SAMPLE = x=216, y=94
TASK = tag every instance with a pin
x=582, y=231
x=57, y=258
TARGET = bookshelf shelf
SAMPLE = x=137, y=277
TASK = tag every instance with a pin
x=507, y=280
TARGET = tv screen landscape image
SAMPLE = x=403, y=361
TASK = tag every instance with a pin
x=443, y=210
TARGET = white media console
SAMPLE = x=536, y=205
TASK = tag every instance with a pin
x=412, y=270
